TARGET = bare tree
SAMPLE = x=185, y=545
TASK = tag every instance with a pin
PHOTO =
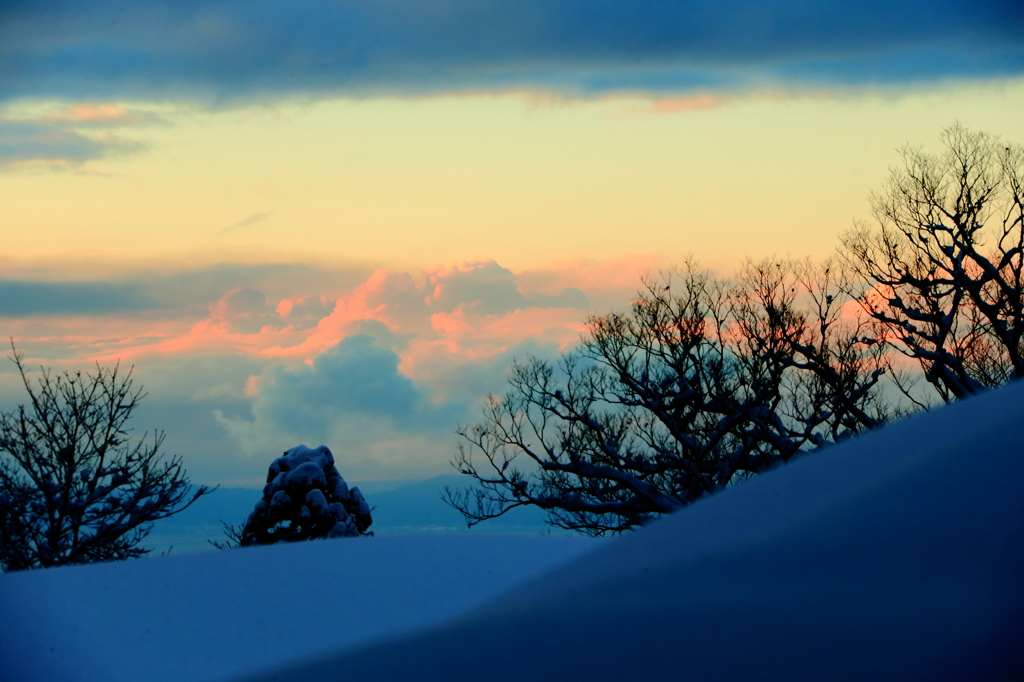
x=702, y=383
x=74, y=487
x=942, y=269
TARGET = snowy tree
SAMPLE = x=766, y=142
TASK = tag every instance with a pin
x=943, y=268
x=74, y=487
x=702, y=383
x=305, y=498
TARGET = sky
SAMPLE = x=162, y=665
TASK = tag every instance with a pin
x=339, y=223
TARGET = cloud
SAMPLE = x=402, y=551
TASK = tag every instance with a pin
x=27, y=298
x=304, y=311
x=484, y=287
x=242, y=362
x=70, y=135
x=196, y=286
x=699, y=102
x=450, y=295
x=99, y=114
x=223, y=50
x=388, y=396
x=353, y=398
x=52, y=144
x=241, y=310
x=108, y=287
x=466, y=364
x=183, y=391
x=246, y=311
x=609, y=284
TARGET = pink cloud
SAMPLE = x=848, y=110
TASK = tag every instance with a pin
x=207, y=341
x=502, y=331
x=474, y=337
x=476, y=309
x=93, y=113
x=674, y=105
x=390, y=297
x=481, y=284
x=239, y=322
x=477, y=287
x=305, y=307
x=455, y=317
x=464, y=341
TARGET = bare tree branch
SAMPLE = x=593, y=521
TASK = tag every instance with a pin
x=74, y=487
x=943, y=268
x=702, y=383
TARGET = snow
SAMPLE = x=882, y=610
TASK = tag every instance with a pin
x=222, y=614
x=304, y=475
x=895, y=556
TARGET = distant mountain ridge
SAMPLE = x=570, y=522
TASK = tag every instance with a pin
x=408, y=509
x=418, y=508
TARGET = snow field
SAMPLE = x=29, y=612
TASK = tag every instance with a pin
x=218, y=615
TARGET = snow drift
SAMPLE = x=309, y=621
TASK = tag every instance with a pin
x=215, y=616
x=895, y=556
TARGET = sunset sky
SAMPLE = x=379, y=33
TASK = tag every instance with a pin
x=339, y=222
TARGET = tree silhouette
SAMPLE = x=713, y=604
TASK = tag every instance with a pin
x=702, y=383
x=942, y=269
x=74, y=487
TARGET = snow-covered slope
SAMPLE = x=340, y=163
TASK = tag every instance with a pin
x=218, y=615
x=896, y=556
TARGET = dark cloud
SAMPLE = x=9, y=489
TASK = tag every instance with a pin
x=355, y=376
x=199, y=287
x=24, y=299
x=55, y=141
x=483, y=287
x=228, y=49
x=353, y=398
x=71, y=135
x=189, y=290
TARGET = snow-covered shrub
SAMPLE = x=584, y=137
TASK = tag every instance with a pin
x=306, y=498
